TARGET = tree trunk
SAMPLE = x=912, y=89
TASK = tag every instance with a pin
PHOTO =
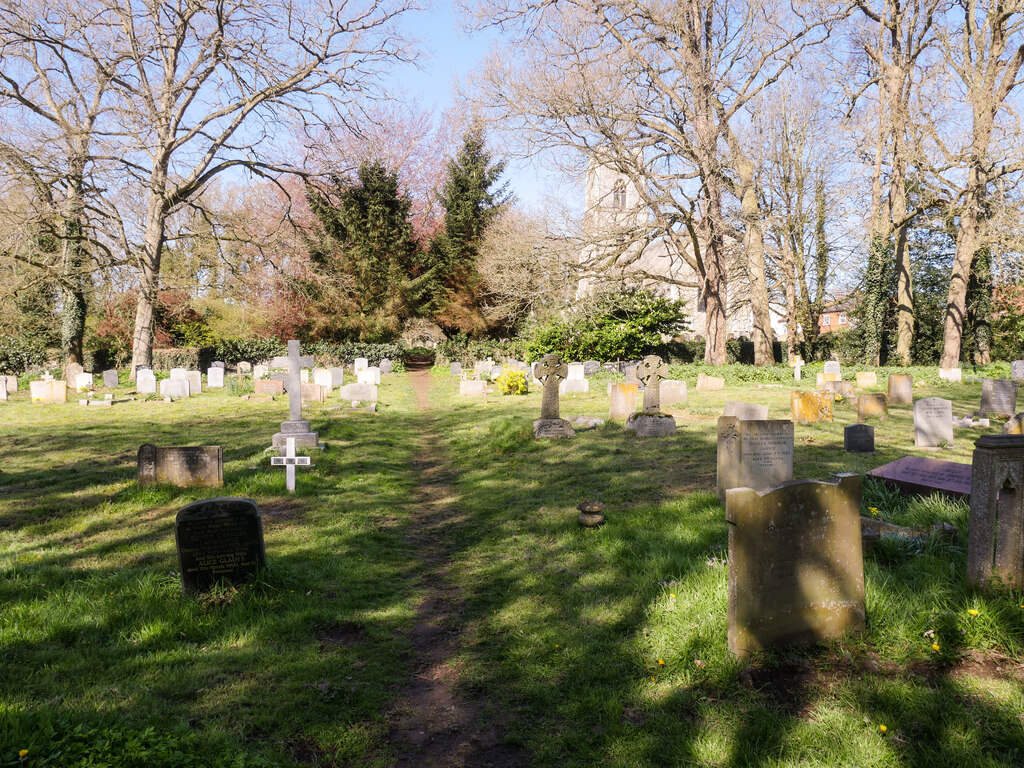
x=149, y=283
x=966, y=247
x=761, y=331
x=715, y=279
x=73, y=304
x=979, y=305
x=904, y=287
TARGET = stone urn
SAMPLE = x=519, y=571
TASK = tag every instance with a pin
x=591, y=514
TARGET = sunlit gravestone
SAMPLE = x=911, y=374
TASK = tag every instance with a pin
x=550, y=372
x=290, y=461
x=651, y=422
x=295, y=427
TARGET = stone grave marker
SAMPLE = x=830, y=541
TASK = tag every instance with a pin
x=901, y=389
x=866, y=378
x=574, y=386
x=312, y=392
x=455, y=369
x=832, y=368
x=3, y=389
x=337, y=376
x=289, y=461
x=12, y=382
x=998, y=396
x=845, y=389
x=218, y=539
x=359, y=364
x=859, y=438
x=110, y=378
x=304, y=376
x=175, y=388
x=82, y=381
x=279, y=363
x=323, y=377
x=951, y=374
x=268, y=387
x=1017, y=370
x=217, y=364
x=709, y=383
x=673, y=392
x=796, y=566
x=811, y=407
x=798, y=372
x=177, y=373
x=623, y=400
x=472, y=387
x=915, y=475
x=576, y=372
x=215, y=377
x=358, y=393
x=48, y=391
x=386, y=366
x=872, y=404
x=995, y=547
x=295, y=427
x=753, y=453
x=189, y=467
x=590, y=367
x=651, y=422
x=260, y=372
x=195, y=380
x=747, y=412
x=1014, y=426
x=550, y=372
x=369, y=375
x=244, y=366
x=933, y=423
x=145, y=381
x=71, y=370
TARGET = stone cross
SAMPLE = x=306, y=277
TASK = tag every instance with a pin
x=550, y=372
x=289, y=461
x=296, y=362
x=651, y=371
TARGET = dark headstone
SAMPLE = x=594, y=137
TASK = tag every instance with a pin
x=995, y=549
x=917, y=475
x=218, y=364
x=218, y=539
x=200, y=466
x=590, y=367
x=110, y=378
x=859, y=438
x=998, y=396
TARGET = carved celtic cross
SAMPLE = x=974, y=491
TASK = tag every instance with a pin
x=550, y=371
x=651, y=370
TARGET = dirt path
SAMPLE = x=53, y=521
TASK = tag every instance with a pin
x=433, y=723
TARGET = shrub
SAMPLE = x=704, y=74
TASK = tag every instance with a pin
x=176, y=357
x=512, y=381
x=234, y=350
x=19, y=353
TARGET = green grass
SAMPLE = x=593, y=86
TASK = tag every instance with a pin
x=602, y=647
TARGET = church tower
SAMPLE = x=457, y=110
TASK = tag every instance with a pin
x=613, y=202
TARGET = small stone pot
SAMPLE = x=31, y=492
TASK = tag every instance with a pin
x=591, y=514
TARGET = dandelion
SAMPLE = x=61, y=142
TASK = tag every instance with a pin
x=935, y=646
x=873, y=511
x=973, y=611
x=22, y=753
x=882, y=728
x=661, y=662
x=671, y=597
x=652, y=678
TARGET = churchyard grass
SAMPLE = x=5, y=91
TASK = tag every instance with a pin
x=601, y=647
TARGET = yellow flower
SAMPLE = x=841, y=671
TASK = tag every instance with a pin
x=556, y=645
x=661, y=662
x=671, y=597
x=23, y=753
x=973, y=612
x=935, y=646
x=652, y=678
x=882, y=728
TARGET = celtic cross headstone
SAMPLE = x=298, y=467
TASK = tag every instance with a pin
x=550, y=372
x=651, y=371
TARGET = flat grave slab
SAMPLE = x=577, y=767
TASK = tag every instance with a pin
x=918, y=475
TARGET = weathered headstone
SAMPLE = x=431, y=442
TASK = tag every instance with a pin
x=845, y=389
x=576, y=372
x=358, y=393
x=832, y=368
x=995, y=548
x=3, y=389
x=673, y=392
x=709, y=383
x=83, y=381
x=471, y=387
x=796, y=566
x=304, y=376
x=175, y=388
x=859, y=438
x=798, y=372
x=323, y=378
x=747, y=412
x=590, y=367
x=110, y=378
x=260, y=372
x=312, y=392
x=915, y=475
x=295, y=426
x=215, y=378
x=574, y=386
x=933, y=423
x=1017, y=370
x=866, y=378
x=177, y=373
x=652, y=422
x=551, y=371
x=145, y=382
x=359, y=364
x=48, y=391
x=386, y=366
x=901, y=389
x=217, y=364
x=189, y=467
x=244, y=366
x=623, y=400
x=337, y=377
x=810, y=407
x=218, y=539
x=195, y=380
x=998, y=396
x=753, y=453
x=12, y=382
x=369, y=375
x=951, y=374
x=1015, y=426
x=872, y=404
x=455, y=369
x=71, y=370
x=268, y=387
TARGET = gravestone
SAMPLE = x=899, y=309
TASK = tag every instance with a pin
x=312, y=393
x=3, y=389
x=933, y=423
x=651, y=422
x=590, y=367
x=359, y=364
x=630, y=373
x=71, y=370
x=386, y=366
x=574, y=386
x=901, y=389
x=304, y=377
x=279, y=363
x=1014, y=426
x=845, y=389
x=322, y=377
x=995, y=547
x=811, y=407
x=190, y=467
x=623, y=400
x=218, y=539
x=753, y=453
x=746, y=412
x=145, y=382
x=337, y=376
x=951, y=374
x=217, y=364
x=295, y=426
x=859, y=438
x=709, y=383
x=998, y=396
x=576, y=372
x=798, y=372
x=260, y=372
x=866, y=378
x=673, y=391
x=550, y=372
x=82, y=381
x=177, y=373
x=244, y=366
x=110, y=378
x=290, y=461
x=832, y=368
x=472, y=387
x=796, y=566
x=819, y=381
x=358, y=393
x=872, y=404
x=215, y=377
x=268, y=387
x=175, y=388
x=368, y=375
x=195, y=380
x=1017, y=370
x=48, y=391
x=455, y=369
x=915, y=475
x=12, y=382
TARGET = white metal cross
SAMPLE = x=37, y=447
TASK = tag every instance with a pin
x=289, y=461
